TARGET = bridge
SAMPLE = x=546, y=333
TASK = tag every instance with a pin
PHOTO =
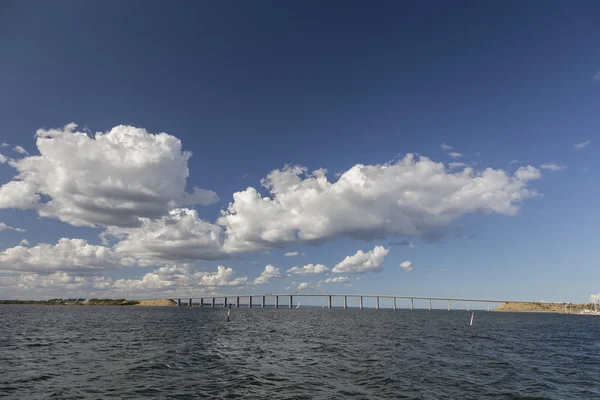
x=234, y=300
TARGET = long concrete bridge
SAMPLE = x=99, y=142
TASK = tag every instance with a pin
x=234, y=300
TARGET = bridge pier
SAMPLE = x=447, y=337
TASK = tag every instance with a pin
x=377, y=306
x=429, y=304
x=412, y=304
x=201, y=301
x=249, y=301
x=263, y=302
x=237, y=301
x=213, y=302
x=178, y=302
x=224, y=301
x=276, y=301
x=345, y=302
x=291, y=300
x=361, y=303
x=394, y=303
x=328, y=301
x=448, y=305
x=190, y=303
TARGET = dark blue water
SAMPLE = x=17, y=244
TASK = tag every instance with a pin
x=92, y=352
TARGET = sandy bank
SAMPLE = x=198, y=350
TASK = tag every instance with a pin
x=541, y=307
x=157, y=302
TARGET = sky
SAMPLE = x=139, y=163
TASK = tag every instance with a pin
x=155, y=150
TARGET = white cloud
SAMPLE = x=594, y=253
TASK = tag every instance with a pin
x=269, y=273
x=455, y=154
x=179, y=235
x=111, y=179
x=358, y=278
x=174, y=279
x=66, y=255
x=3, y=226
x=310, y=269
x=513, y=162
x=410, y=198
x=20, y=150
x=337, y=279
x=362, y=262
x=303, y=285
x=581, y=145
x=595, y=298
x=456, y=165
x=553, y=167
x=24, y=242
x=291, y=254
x=407, y=266
x=527, y=173
x=446, y=147
x=3, y=159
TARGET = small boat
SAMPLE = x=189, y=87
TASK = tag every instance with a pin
x=298, y=305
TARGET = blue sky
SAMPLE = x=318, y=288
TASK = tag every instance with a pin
x=249, y=88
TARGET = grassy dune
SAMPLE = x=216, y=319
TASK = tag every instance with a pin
x=543, y=307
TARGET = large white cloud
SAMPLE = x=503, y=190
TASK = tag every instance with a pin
x=362, y=262
x=110, y=179
x=179, y=235
x=410, y=198
x=66, y=255
x=269, y=273
x=309, y=269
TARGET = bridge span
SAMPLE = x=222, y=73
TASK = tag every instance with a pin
x=234, y=300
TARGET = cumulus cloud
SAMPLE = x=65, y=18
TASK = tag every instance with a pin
x=66, y=255
x=527, y=173
x=337, y=279
x=24, y=242
x=291, y=254
x=3, y=226
x=407, y=266
x=581, y=145
x=3, y=159
x=445, y=147
x=455, y=154
x=303, y=285
x=111, y=179
x=310, y=269
x=167, y=279
x=553, y=167
x=180, y=235
x=269, y=273
x=362, y=262
x=409, y=198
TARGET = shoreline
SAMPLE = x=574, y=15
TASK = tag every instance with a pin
x=93, y=302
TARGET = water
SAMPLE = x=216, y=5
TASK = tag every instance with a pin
x=177, y=353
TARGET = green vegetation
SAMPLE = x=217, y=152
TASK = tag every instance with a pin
x=75, y=302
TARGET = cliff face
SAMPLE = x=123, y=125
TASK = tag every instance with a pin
x=543, y=307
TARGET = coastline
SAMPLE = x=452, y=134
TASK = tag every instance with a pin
x=538, y=307
x=93, y=302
